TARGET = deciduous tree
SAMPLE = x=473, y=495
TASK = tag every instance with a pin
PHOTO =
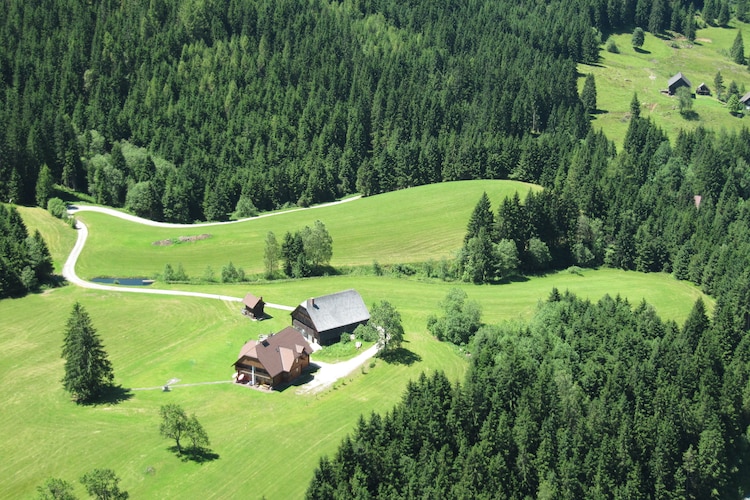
x=103, y=484
x=175, y=424
x=271, y=255
x=387, y=321
x=56, y=489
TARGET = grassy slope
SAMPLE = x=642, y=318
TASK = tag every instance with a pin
x=403, y=226
x=272, y=441
x=59, y=237
x=618, y=76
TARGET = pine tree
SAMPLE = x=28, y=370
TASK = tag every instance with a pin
x=723, y=18
x=635, y=107
x=45, y=185
x=481, y=217
x=638, y=38
x=719, y=85
x=738, y=49
x=88, y=371
x=689, y=28
x=588, y=94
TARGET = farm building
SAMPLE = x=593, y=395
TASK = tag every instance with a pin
x=253, y=306
x=278, y=359
x=745, y=100
x=702, y=89
x=676, y=82
x=324, y=319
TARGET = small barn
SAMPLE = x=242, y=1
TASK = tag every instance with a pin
x=745, y=100
x=278, y=359
x=677, y=81
x=253, y=306
x=702, y=89
x=324, y=319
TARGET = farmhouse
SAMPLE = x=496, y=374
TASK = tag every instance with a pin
x=278, y=359
x=745, y=100
x=702, y=89
x=253, y=306
x=676, y=82
x=324, y=319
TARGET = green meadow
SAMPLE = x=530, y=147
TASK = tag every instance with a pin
x=414, y=225
x=267, y=444
x=646, y=72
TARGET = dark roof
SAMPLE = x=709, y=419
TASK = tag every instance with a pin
x=252, y=301
x=745, y=98
x=278, y=352
x=676, y=78
x=703, y=86
x=336, y=310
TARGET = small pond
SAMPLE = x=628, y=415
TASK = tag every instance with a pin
x=124, y=281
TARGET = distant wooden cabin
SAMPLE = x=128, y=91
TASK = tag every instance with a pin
x=278, y=359
x=676, y=82
x=702, y=89
x=324, y=319
x=745, y=100
x=253, y=306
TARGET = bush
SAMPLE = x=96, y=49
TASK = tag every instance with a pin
x=366, y=333
x=345, y=338
x=57, y=207
x=612, y=46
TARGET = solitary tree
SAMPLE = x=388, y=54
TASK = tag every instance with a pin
x=733, y=104
x=175, y=424
x=88, y=371
x=102, y=484
x=271, y=255
x=638, y=38
x=588, y=94
x=719, y=85
x=387, y=321
x=685, y=98
x=56, y=489
x=738, y=49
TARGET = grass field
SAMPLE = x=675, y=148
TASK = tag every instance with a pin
x=618, y=76
x=268, y=444
x=403, y=226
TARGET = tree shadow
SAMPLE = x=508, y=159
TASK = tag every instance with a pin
x=198, y=455
x=112, y=395
x=400, y=356
x=641, y=51
x=690, y=115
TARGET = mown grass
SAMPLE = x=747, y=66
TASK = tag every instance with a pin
x=58, y=235
x=427, y=222
x=272, y=441
x=268, y=444
x=646, y=72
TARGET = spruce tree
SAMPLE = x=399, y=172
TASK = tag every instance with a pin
x=481, y=217
x=635, y=107
x=723, y=18
x=689, y=28
x=45, y=186
x=738, y=49
x=88, y=371
x=588, y=94
x=638, y=38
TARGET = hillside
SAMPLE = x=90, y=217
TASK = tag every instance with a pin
x=645, y=72
x=413, y=225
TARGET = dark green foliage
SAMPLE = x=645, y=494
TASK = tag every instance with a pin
x=103, y=484
x=719, y=85
x=88, y=371
x=585, y=398
x=56, y=489
x=638, y=38
x=723, y=17
x=25, y=261
x=176, y=425
x=481, y=218
x=461, y=320
x=45, y=186
x=737, y=53
x=588, y=94
x=304, y=253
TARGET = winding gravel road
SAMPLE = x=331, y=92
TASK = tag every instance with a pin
x=327, y=373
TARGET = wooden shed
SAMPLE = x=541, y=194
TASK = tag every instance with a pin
x=702, y=89
x=253, y=306
x=677, y=81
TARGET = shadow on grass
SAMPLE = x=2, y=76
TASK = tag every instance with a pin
x=690, y=115
x=400, y=356
x=198, y=455
x=641, y=51
x=111, y=395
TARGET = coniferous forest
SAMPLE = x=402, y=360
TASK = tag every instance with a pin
x=188, y=110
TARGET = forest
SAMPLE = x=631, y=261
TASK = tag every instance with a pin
x=200, y=109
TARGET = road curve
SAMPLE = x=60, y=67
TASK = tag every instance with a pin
x=69, y=271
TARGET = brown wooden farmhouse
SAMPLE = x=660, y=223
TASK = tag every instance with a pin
x=278, y=359
x=253, y=306
x=324, y=319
